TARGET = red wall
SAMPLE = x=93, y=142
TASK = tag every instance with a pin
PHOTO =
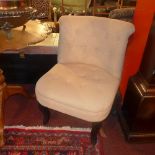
x=143, y=17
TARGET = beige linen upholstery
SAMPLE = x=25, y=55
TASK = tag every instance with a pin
x=90, y=57
x=94, y=40
x=80, y=90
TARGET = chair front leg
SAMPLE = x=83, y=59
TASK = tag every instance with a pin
x=46, y=113
x=94, y=131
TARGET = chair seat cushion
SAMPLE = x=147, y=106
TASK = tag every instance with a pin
x=80, y=90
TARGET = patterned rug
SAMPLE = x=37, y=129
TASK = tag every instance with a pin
x=49, y=141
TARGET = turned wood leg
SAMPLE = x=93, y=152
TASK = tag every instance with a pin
x=46, y=114
x=94, y=131
x=2, y=98
x=5, y=92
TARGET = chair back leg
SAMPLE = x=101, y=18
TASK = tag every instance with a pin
x=46, y=114
x=94, y=132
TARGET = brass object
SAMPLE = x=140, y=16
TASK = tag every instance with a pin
x=22, y=55
x=35, y=32
x=14, y=13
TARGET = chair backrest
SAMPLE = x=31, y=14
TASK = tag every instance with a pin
x=95, y=41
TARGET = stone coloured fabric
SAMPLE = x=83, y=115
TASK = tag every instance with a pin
x=93, y=40
x=90, y=57
x=80, y=90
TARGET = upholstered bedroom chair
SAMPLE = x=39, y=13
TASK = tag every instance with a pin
x=86, y=78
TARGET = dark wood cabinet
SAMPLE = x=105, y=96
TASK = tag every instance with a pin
x=147, y=67
x=27, y=69
x=129, y=3
x=137, y=115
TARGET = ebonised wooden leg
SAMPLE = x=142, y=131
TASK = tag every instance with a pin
x=46, y=113
x=94, y=132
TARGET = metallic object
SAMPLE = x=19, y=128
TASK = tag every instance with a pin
x=14, y=13
x=35, y=32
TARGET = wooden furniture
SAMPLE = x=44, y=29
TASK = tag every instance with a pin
x=130, y=3
x=137, y=116
x=21, y=70
x=26, y=70
x=24, y=67
x=91, y=7
x=84, y=6
x=2, y=87
x=111, y=4
x=5, y=92
x=34, y=32
x=73, y=7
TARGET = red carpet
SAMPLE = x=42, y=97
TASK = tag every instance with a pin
x=49, y=141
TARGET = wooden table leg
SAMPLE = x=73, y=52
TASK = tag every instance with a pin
x=5, y=92
x=2, y=98
x=16, y=89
